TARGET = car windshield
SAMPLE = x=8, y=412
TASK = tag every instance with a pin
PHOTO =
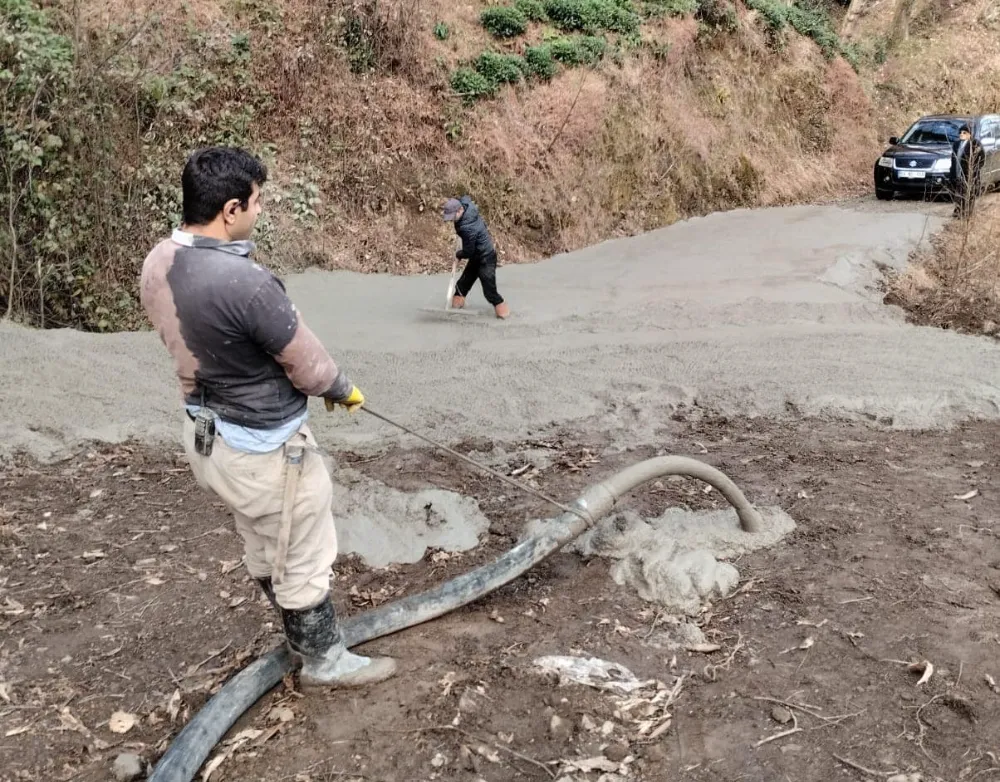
x=928, y=132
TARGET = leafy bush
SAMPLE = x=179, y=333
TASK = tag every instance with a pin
x=504, y=21
x=717, y=14
x=578, y=49
x=533, y=10
x=593, y=16
x=540, y=62
x=567, y=51
x=593, y=48
x=805, y=19
x=500, y=68
x=471, y=85
x=670, y=7
x=441, y=31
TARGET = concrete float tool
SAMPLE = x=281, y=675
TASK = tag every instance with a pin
x=452, y=283
x=194, y=743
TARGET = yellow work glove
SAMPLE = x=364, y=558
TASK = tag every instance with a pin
x=353, y=402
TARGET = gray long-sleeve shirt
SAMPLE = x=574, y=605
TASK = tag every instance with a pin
x=233, y=333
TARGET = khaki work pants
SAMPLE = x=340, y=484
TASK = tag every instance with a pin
x=252, y=485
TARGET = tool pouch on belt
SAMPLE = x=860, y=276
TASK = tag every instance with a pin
x=204, y=431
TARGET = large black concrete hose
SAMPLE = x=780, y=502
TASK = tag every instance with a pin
x=193, y=744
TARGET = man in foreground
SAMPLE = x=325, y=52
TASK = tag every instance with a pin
x=477, y=247
x=247, y=364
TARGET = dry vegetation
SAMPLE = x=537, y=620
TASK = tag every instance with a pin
x=957, y=284
x=946, y=60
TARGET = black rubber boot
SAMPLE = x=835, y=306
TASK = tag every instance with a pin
x=268, y=589
x=312, y=633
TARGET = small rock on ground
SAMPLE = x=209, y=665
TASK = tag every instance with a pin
x=781, y=715
x=560, y=728
x=616, y=753
x=128, y=767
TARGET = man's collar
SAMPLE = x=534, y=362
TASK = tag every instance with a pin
x=187, y=239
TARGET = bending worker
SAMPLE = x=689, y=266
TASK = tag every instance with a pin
x=247, y=364
x=477, y=247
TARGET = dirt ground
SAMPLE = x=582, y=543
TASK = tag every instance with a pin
x=121, y=590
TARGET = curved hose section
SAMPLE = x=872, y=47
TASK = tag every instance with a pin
x=193, y=744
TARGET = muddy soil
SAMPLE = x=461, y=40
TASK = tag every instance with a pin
x=121, y=591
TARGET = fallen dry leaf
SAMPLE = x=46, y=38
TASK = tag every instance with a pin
x=806, y=644
x=924, y=667
x=93, y=555
x=490, y=754
x=153, y=581
x=586, y=765
x=249, y=734
x=281, y=714
x=17, y=731
x=704, y=648
x=174, y=705
x=122, y=722
x=213, y=764
x=5, y=691
x=968, y=495
x=992, y=683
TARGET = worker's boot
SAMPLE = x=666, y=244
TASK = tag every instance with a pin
x=457, y=302
x=502, y=310
x=268, y=589
x=313, y=634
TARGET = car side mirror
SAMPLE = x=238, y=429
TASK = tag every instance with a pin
x=894, y=140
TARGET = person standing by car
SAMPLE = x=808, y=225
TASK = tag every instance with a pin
x=967, y=158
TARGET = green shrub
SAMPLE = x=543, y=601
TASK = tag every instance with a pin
x=670, y=7
x=442, y=31
x=578, y=49
x=593, y=16
x=500, y=68
x=593, y=48
x=504, y=21
x=540, y=62
x=567, y=51
x=806, y=19
x=774, y=12
x=717, y=14
x=471, y=85
x=533, y=10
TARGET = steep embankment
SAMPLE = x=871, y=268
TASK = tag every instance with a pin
x=571, y=121
x=625, y=116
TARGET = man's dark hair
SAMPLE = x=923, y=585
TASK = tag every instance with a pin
x=966, y=128
x=215, y=175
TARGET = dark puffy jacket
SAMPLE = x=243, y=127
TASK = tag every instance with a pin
x=967, y=159
x=477, y=245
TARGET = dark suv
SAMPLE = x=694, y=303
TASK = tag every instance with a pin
x=920, y=161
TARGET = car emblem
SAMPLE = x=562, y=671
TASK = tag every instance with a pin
x=913, y=164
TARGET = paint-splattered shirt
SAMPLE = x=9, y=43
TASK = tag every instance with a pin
x=238, y=344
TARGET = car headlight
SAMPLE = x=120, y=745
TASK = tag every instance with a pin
x=941, y=166
x=885, y=162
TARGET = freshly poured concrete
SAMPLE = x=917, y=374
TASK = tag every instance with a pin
x=742, y=312
x=676, y=559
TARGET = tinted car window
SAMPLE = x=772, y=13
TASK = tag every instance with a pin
x=932, y=132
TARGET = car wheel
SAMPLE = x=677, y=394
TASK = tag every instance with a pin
x=883, y=195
